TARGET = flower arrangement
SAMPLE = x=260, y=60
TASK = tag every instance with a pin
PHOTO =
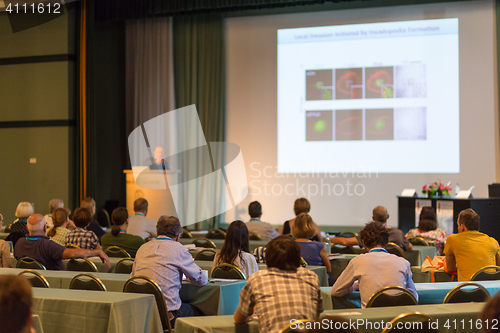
x=436, y=188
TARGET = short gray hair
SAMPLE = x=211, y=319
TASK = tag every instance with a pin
x=36, y=223
x=168, y=226
x=24, y=209
x=54, y=204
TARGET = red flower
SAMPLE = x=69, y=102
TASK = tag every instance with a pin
x=441, y=187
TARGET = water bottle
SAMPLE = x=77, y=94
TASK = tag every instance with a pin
x=328, y=244
x=457, y=189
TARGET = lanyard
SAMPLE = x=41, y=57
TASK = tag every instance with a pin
x=123, y=231
x=164, y=238
x=379, y=250
x=141, y=214
x=254, y=219
x=32, y=238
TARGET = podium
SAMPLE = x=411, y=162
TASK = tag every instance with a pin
x=488, y=210
x=160, y=200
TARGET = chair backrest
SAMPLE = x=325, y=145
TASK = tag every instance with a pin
x=72, y=246
x=348, y=234
x=228, y=271
x=103, y=218
x=81, y=265
x=395, y=249
x=36, y=279
x=144, y=285
x=419, y=323
x=186, y=233
x=294, y=327
x=382, y=298
x=460, y=295
x=216, y=234
x=484, y=275
x=207, y=255
x=124, y=266
x=303, y=262
x=253, y=235
x=29, y=263
x=86, y=281
x=116, y=252
x=418, y=241
x=204, y=242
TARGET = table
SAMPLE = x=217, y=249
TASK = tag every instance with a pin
x=81, y=311
x=373, y=316
x=218, y=242
x=424, y=277
x=428, y=293
x=415, y=256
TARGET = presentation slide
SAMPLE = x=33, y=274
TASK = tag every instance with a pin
x=378, y=97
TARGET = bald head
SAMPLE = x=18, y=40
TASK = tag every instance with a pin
x=380, y=214
x=36, y=225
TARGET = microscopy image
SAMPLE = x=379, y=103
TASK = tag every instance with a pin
x=349, y=83
x=379, y=82
x=379, y=124
x=349, y=124
x=410, y=123
x=319, y=84
x=319, y=125
x=411, y=81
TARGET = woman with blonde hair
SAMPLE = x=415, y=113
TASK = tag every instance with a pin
x=61, y=221
x=301, y=205
x=18, y=229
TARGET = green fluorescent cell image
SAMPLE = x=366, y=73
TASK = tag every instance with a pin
x=320, y=126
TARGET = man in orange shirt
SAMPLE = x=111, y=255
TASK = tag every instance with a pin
x=470, y=250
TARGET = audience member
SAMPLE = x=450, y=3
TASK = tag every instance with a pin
x=428, y=230
x=16, y=300
x=301, y=205
x=381, y=215
x=490, y=316
x=313, y=252
x=50, y=254
x=265, y=230
x=119, y=236
x=283, y=292
x=4, y=250
x=59, y=231
x=94, y=226
x=18, y=228
x=235, y=250
x=164, y=260
x=139, y=224
x=470, y=250
x=375, y=269
x=81, y=236
x=53, y=205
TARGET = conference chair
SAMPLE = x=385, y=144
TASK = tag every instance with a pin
x=207, y=255
x=348, y=234
x=103, y=218
x=86, y=281
x=186, y=233
x=204, y=242
x=381, y=298
x=116, y=252
x=460, y=295
x=303, y=262
x=72, y=246
x=418, y=241
x=395, y=249
x=411, y=322
x=36, y=279
x=216, y=234
x=144, y=285
x=484, y=275
x=81, y=265
x=29, y=263
x=302, y=323
x=253, y=236
x=124, y=266
x=228, y=271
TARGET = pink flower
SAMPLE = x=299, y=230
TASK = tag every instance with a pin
x=441, y=187
x=426, y=187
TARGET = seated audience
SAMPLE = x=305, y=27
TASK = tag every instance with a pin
x=490, y=316
x=94, y=226
x=139, y=224
x=283, y=292
x=16, y=300
x=82, y=237
x=235, y=250
x=375, y=269
x=61, y=222
x=313, y=252
x=4, y=250
x=381, y=215
x=265, y=230
x=119, y=236
x=18, y=228
x=38, y=246
x=301, y=205
x=53, y=205
x=164, y=260
x=470, y=250
x=428, y=230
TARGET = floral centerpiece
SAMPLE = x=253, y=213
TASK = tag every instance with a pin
x=436, y=189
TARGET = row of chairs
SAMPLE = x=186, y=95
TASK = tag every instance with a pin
x=78, y=265
x=219, y=234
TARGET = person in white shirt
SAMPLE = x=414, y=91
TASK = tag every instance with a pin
x=139, y=224
x=376, y=269
x=53, y=205
x=265, y=230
